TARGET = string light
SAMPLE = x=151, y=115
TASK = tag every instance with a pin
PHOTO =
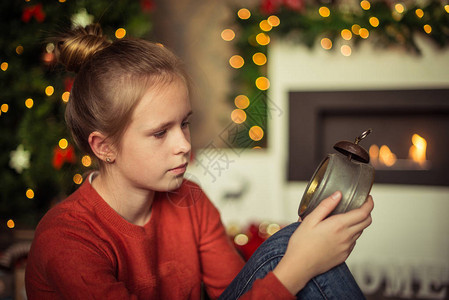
x=77, y=178
x=86, y=161
x=427, y=28
x=324, y=11
x=346, y=34
x=49, y=90
x=238, y=116
x=273, y=21
x=29, y=193
x=446, y=8
x=4, y=66
x=419, y=13
x=265, y=26
x=228, y=35
x=120, y=33
x=262, y=83
x=241, y=101
x=241, y=239
x=263, y=39
x=236, y=61
x=259, y=59
x=244, y=13
x=65, y=97
x=29, y=103
x=374, y=21
x=4, y=108
x=255, y=133
x=365, y=5
x=346, y=50
x=399, y=8
x=63, y=144
x=355, y=29
x=19, y=49
x=364, y=33
x=10, y=223
x=326, y=43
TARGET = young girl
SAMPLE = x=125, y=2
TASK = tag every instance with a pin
x=136, y=229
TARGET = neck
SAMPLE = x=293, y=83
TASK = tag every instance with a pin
x=134, y=205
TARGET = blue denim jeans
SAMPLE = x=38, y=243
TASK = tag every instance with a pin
x=337, y=283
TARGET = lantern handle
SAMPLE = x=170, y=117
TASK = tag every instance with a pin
x=362, y=136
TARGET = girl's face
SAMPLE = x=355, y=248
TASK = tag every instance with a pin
x=155, y=148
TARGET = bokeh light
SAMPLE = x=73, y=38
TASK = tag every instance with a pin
x=228, y=35
x=374, y=21
x=77, y=179
x=244, y=13
x=238, y=116
x=259, y=59
x=120, y=33
x=29, y=193
x=49, y=90
x=346, y=50
x=86, y=161
x=63, y=143
x=262, y=83
x=256, y=133
x=65, y=97
x=236, y=61
x=241, y=101
x=274, y=21
x=265, y=26
x=326, y=43
x=29, y=103
x=324, y=11
x=346, y=34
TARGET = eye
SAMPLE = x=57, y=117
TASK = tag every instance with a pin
x=185, y=124
x=160, y=134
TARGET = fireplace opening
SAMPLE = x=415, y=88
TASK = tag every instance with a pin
x=410, y=139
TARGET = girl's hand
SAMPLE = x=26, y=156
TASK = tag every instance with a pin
x=321, y=243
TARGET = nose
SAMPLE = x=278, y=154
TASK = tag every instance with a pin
x=182, y=142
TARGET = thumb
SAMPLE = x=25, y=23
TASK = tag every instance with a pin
x=325, y=207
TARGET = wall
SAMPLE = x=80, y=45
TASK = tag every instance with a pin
x=407, y=247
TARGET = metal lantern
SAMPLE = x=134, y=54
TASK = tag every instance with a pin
x=348, y=171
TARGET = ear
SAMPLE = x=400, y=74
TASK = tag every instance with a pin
x=101, y=147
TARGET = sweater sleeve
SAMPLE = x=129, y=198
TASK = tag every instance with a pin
x=268, y=288
x=67, y=263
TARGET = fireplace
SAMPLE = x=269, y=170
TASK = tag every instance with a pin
x=409, y=143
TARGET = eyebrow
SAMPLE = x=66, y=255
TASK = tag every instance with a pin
x=167, y=124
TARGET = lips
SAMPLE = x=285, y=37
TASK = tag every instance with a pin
x=179, y=169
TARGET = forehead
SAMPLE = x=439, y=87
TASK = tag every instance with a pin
x=164, y=99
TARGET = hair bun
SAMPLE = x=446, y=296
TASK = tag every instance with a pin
x=78, y=45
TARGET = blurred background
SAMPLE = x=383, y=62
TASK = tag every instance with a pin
x=276, y=84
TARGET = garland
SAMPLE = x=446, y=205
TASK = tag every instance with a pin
x=384, y=24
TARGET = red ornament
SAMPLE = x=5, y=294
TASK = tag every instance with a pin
x=68, y=83
x=294, y=4
x=269, y=7
x=61, y=156
x=147, y=5
x=35, y=11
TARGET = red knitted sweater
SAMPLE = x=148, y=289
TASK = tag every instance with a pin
x=83, y=249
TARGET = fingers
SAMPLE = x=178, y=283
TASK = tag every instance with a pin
x=324, y=208
x=360, y=214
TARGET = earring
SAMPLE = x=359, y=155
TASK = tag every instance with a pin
x=108, y=160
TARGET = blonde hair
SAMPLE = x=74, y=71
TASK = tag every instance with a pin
x=111, y=79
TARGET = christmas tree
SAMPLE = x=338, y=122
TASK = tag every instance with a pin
x=39, y=162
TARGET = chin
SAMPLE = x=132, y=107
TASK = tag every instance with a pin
x=174, y=183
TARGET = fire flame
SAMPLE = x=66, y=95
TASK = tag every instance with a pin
x=384, y=156
x=417, y=151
